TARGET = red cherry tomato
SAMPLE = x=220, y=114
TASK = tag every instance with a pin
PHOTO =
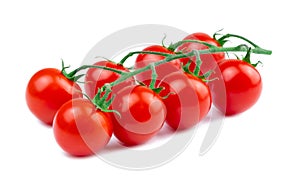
x=207, y=59
x=243, y=86
x=189, y=101
x=142, y=115
x=80, y=129
x=95, y=78
x=47, y=91
x=143, y=60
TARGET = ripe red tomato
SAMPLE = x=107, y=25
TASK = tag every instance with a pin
x=207, y=59
x=243, y=86
x=80, y=129
x=143, y=60
x=189, y=101
x=95, y=78
x=47, y=91
x=142, y=115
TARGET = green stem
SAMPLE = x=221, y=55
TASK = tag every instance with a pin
x=153, y=77
x=222, y=39
x=198, y=63
x=142, y=52
x=72, y=75
x=174, y=46
x=137, y=71
x=257, y=50
x=171, y=48
x=170, y=57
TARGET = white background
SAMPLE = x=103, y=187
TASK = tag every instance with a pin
x=256, y=151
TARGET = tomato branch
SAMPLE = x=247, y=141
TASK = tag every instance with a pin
x=153, y=76
x=174, y=46
x=170, y=57
x=142, y=52
x=101, y=99
x=212, y=49
x=224, y=38
x=72, y=75
x=198, y=63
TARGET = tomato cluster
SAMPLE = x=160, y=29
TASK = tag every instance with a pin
x=135, y=109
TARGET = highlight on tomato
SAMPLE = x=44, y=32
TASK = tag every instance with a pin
x=81, y=129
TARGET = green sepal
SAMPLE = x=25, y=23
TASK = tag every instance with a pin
x=71, y=76
x=221, y=40
x=158, y=89
x=207, y=74
x=248, y=60
x=168, y=95
x=76, y=78
x=163, y=41
x=102, y=103
x=186, y=67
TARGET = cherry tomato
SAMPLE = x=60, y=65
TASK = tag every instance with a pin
x=243, y=86
x=143, y=60
x=207, y=59
x=95, y=78
x=80, y=129
x=188, y=102
x=47, y=91
x=142, y=115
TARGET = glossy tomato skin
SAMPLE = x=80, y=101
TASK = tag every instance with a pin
x=243, y=86
x=207, y=59
x=142, y=115
x=143, y=60
x=189, y=102
x=95, y=78
x=80, y=129
x=47, y=91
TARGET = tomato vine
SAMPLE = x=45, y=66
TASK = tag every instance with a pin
x=168, y=57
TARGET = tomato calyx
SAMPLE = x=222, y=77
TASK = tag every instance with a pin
x=157, y=90
x=72, y=75
x=221, y=40
x=203, y=77
x=102, y=100
x=247, y=58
